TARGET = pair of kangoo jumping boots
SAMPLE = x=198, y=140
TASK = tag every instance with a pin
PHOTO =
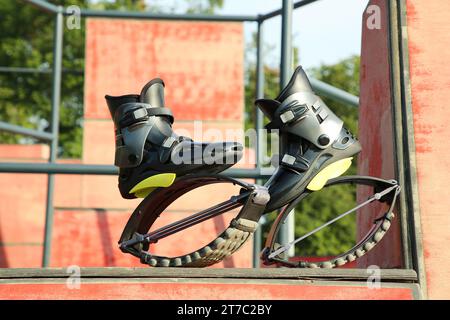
x=315, y=147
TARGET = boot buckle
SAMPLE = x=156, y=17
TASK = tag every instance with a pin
x=298, y=163
x=294, y=112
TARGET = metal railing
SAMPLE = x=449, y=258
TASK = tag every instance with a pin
x=51, y=168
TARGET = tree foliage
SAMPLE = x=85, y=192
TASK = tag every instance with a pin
x=26, y=41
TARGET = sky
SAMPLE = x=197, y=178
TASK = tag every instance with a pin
x=325, y=31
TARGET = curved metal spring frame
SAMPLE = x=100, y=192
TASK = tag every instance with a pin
x=385, y=191
x=136, y=241
x=252, y=199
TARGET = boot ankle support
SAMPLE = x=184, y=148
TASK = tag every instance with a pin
x=137, y=112
x=133, y=125
x=305, y=115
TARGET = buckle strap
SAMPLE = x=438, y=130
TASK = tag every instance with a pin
x=298, y=163
x=160, y=112
x=142, y=111
x=292, y=112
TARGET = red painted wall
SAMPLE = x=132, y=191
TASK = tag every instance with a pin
x=428, y=33
x=429, y=41
x=214, y=290
x=201, y=63
x=376, y=135
x=22, y=209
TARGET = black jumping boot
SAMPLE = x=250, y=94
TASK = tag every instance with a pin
x=314, y=145
x=148, y=152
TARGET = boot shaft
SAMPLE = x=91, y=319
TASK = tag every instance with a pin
x=297, y=111
x=148, y=149
x=140, y=119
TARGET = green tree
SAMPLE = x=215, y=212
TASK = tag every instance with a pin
x=202, y=6
x=26, y=40
x=25, y=99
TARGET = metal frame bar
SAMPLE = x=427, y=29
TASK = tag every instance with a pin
x=52, y=168
x=334, y=93
x=44, y=5
x=56, y=100
x=409, y=208
x=41, y=135
x=397, y=126
x=164, y=16
x=279, y=11
x=36, y=70
x=286, y=62
x=257, y=236
x=90, y=169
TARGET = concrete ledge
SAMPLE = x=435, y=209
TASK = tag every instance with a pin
x=392, y=275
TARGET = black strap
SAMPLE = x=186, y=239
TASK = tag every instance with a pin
x=142, y=112
x=159, y=112
x=298, y=162
x=292, y=112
